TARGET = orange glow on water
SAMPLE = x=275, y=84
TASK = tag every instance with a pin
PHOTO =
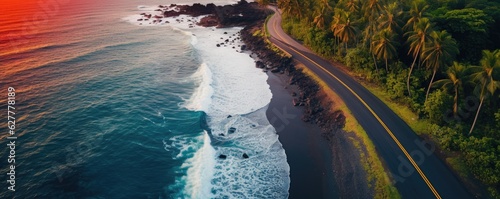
x=21, y=26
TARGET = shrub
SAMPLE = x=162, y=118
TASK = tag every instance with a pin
x=436, y=105
x=396, y=85
x=447, y=138
x=482, y=156
x=359, y=58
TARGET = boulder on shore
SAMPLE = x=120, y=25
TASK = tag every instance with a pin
x=208, y=21
x=259, y=64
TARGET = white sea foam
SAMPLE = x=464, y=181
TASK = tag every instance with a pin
x=229, y=84
x=198, y=167
x=241, y=90
x=202, y=96
x=182, y=146
x=200, y=171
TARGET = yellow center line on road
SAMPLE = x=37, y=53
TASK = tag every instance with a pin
x=371, y=110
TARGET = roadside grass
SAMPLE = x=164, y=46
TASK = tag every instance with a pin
x=377, y=177
x=265, y=34
x=459, y=165
x=419, y=126
x=265, y=24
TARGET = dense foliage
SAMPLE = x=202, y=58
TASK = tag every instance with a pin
x=439, y=57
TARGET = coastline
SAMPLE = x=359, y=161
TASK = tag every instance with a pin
x=321, y=166
x=323, y=161
x=308, y=153
x=331, y=165
x=240, y=156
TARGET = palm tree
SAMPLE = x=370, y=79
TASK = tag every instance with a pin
x=290, y=7
x=319, y=19
x=297, y=8
x=352, y=6
x=286, y=6
x=368, y=33
x=484, y=77
x=456, y=74
x=438, y=52
x=390, y=17
x=372, y=9
x=417, y=39
x=343, y=27
x=336, y=24
x=384, y=46
x=416, y=13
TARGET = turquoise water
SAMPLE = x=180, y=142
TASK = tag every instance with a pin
x=109, y=109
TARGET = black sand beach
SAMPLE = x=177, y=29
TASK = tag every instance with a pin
x=323, y=161
x=319, y=167
x=308, y=153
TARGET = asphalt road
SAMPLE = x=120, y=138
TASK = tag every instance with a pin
x=412, y=163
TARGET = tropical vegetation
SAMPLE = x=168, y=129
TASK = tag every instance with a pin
x=440, y=58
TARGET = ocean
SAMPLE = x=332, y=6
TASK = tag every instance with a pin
x=110, y=107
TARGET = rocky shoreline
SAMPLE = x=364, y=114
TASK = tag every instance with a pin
x=316, y=109
x=251, y=16
x=241, y=14
x=346, y=169
x=319, y=153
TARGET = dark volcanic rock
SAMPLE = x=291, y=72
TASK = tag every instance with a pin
x=259, y=64
x=209, y=21
x=275, y=70
x=240, y=14
x=194, y=10
x=316, y=108
x=251, y=16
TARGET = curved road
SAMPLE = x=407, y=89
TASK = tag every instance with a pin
x=417, y=172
